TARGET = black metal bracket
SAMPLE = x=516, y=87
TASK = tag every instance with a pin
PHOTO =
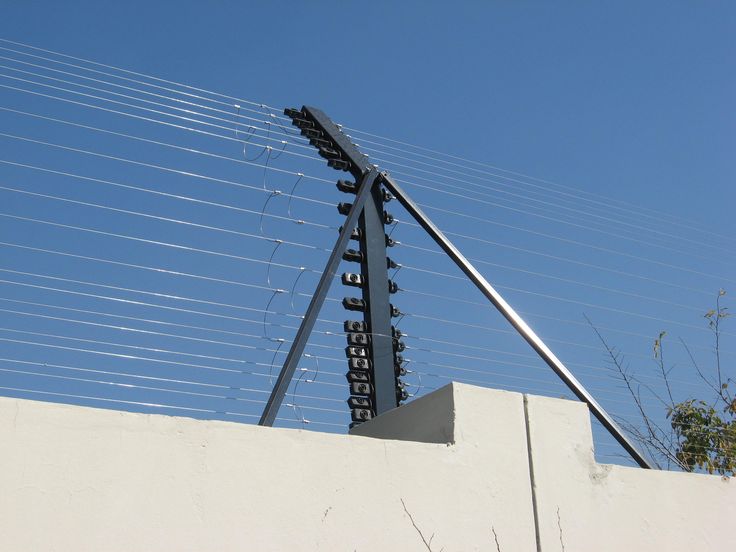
x=379, y=381
x=318, y=298
x=372, y=348
x=343, y=154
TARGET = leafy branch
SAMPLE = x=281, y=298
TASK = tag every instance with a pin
x=701, y=435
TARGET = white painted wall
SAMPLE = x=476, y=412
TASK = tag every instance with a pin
x=78, y=479
x=614, y=508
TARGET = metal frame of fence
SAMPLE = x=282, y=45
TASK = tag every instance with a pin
x=376, y=383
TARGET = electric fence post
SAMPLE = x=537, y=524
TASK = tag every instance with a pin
x=375, y=364
x=373, y=344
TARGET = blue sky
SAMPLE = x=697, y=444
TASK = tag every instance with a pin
x=624, y=97
x=617, y=121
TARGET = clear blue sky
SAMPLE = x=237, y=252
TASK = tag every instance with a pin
x=626, y=99
x=621, y=100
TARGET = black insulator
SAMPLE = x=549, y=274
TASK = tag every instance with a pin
x=293, y=113
x=339, y=164
x=344, y=208
x=320, y=143
x=386, y=195
x=390, y=242
x=397, y=333
x=388, y=218
x=393, y=287
x=311, y=133
x=359, y=402
x=360, y=389
x=402, y=395
x=399, y=370
x=399, y=345
x=352, y=255
x=347, y=186
x=328, y=153
x=391, y=263
x=356, y=352
x=359, y=339
x=350, y=279
x=353, y=304
x=302, y=123
x=359, y=363
x=358, y=376
x=398, y=359
x=395, y=312
x=359, y=415
x=355, y=326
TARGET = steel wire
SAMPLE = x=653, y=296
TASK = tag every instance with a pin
x=481, y=219
x=578, y=194
x=299, y=145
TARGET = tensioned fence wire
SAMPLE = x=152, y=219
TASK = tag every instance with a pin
x=162, y=241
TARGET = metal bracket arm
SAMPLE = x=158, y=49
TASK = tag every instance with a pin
x=516, y=321
x=367, y=181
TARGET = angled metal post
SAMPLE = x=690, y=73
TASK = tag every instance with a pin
x=382, y=345
x=378, y=303
x=367, y=181
x=516, y=321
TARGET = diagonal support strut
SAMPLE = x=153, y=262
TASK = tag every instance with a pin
x=367, y=181
x=343, y=154
x=515, y=320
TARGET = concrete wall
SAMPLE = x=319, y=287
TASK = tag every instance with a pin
x=452, y=468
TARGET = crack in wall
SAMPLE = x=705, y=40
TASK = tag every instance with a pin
x=427, y=543
x=559, y=525
x=495, y=538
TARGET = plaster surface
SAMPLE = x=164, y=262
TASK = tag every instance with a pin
x=450, y=471
x=83, y=479
x=589, y=506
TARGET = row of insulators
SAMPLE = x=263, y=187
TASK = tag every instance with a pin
x=360, y=367
x=360, y=370
x=325, y=147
